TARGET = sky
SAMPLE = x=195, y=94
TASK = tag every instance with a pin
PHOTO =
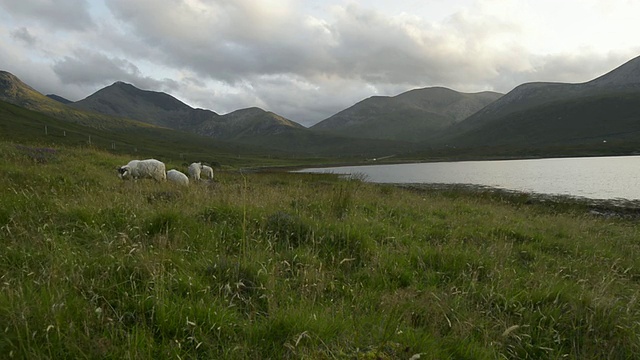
x=308, y=59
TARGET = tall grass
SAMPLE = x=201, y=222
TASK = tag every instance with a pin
x=278, y=265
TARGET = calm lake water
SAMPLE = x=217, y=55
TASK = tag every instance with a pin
x=593, y=177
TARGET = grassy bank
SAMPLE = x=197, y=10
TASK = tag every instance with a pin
x=277, y=265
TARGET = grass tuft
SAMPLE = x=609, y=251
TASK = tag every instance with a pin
x=287, y=229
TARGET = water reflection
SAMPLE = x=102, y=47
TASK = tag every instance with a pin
x=594, y=177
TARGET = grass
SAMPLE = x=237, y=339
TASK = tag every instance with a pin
x=280, y=265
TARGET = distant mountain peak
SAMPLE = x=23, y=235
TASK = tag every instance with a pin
x=624, y=76
x=534, y=114
x=414, y=115
x=59, y=99
x=13, y=90
x=9, y=82
x=250, y=110
x=159, y=108
x=126, y=86
x=124, y=99
x=6, y=74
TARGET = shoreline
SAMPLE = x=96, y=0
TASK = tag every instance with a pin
x=608, y=208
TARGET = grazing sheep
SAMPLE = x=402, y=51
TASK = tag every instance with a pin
x=194, y=171
x=143, y=169
x=177, y=177
x=207, y=172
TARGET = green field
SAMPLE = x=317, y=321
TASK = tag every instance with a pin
x=278, y=265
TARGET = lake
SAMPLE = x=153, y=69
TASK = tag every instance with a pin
x=589, y=177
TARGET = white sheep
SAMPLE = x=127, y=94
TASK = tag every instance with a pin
x=207, y=172
x=194, y=170
x=143, y=169
x=177, y=177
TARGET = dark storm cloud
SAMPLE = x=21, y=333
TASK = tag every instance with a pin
x=57, y=14
x=87, y=68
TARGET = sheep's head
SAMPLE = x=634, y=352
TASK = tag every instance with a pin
x=124, y=172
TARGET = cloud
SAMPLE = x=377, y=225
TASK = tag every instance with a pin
x=232, y=41
x=88, y=68
x=58, y=14
x=222, y=40
x=24, y=35
x=304, y=60
x=307, y=66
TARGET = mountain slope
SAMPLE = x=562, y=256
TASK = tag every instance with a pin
x=14, y=91
x=538, y=114
x=411, y=116
x=24, y=126
x=59, y=99
x=251, y=129
x=247, y=122
x=157, y=108
x=314, y=143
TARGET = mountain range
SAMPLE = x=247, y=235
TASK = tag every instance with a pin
x=161, y=109
x=533, y=116
x=541, y=114
x=124, y=107
x=407, y=117
x=413, y=116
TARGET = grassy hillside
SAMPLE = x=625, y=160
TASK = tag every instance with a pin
x=605, y=124
x=277, y=265
x=14, y=91
x=547, y=116
x=246, y=122
x=252, y=127
x=25, y=126
x=384, y=118
x=414, y=115
x=152, y=107
x=315, y=144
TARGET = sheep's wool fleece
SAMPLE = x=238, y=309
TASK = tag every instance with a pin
x=194, y=170
x=207, y=172
x=150, y=168
x=177, y=177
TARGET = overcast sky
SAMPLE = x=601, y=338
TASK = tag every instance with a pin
x=308, y=59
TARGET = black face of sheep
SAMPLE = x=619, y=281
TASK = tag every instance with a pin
x=122, y=171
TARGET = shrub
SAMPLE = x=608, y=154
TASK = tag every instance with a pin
x=38, y=155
